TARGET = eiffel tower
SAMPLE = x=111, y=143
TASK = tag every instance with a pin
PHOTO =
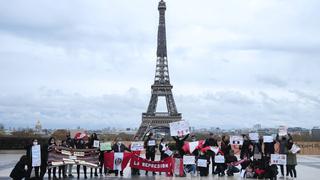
x=161, y=87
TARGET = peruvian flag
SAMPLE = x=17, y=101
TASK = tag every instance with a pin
x=117, y=160
x=189, y=147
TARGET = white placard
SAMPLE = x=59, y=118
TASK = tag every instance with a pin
x=151, y=142
x=81, y=154
x=295, y=148
x=64, y=152
x=236, y=140
x=267, y=139
x=73, y=157
x=179, y=128
x=215, y=149
x=283, y=130
x=189, y=160
x=278, y=159
x=254, y=136
x=36, y=155
x=202, y=163
x=219, y=159
x=168, y=152
x=137, y=146
x=193, y=145
x=96, y=143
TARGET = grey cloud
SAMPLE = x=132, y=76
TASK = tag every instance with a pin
x=271, y=80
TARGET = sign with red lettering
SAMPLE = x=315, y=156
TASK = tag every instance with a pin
x=158, y=166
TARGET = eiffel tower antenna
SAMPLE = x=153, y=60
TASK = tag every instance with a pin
x=161, y=87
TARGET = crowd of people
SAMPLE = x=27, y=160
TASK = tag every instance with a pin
x=253, y=160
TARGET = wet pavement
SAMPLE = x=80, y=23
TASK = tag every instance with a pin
x=308, y=168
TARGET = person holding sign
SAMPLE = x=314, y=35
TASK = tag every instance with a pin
x=179, y=144
x=203, y=162
x=33, y=158
x=135, y=152
x=283, y=149
x=291, y=161
x=212, y=142
x=94, y=143
x=80, y=144
x=150, y=146
x=51, y=145
x=119, y=147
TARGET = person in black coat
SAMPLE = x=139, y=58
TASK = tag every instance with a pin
x=180, y=143
x=211, y=141
x=80, y=144
x=150, y=147
x=19, y=171
x=29, y=160
x=119, y=147
x=93, y=138
x=245, y=151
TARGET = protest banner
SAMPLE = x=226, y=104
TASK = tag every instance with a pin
x=106, y=146
x=137, y=146
x=280, y=159
x=147, y=165
x=189, y=147
x=202, y=163
x=236, y=140
x=219, y=159
x=179, y=128
x=88, y=156
x=96, y=143
x=267, y=139
x=189, y=160
x=283, y=130
x=36, y=155
x=254, y=136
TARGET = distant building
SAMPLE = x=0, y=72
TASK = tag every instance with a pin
x=315, y=133
x=257, y=126
x=38, y=127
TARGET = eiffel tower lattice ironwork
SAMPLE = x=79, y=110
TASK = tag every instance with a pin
x=161, y=87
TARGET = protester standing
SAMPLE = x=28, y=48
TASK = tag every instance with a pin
x=212, y=142
x=283, y=149
x=134, y=171
x=119, y=147
x=51, y=147
x=80, y=144
x=29, y=160
x=150, y=147
x=291, y=161
x=93, y=138
x=70, y=144
x=180, y=143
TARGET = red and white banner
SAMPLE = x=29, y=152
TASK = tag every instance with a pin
x=157, y=166
x=189, y=147
x=116, y=161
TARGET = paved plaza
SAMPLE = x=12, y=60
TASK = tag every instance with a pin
x=308, y=169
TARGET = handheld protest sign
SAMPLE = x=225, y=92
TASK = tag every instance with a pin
x=36, y=155
x=137, y=146
x=189, y=160
x=179, y=128
x=236, y=140
x=152, y=143
x=105, y=146
x=283, y=130
x=96, y=144
x=280, y=159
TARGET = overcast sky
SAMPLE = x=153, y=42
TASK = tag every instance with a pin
x=91, y=63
